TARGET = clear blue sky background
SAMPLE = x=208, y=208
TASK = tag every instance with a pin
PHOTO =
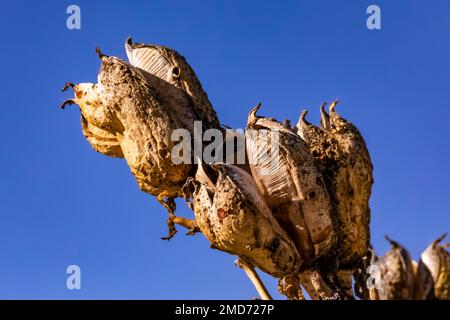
x=62, y=203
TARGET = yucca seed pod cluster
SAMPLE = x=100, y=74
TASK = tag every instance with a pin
x=296, y=208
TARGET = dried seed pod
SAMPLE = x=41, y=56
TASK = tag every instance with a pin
x=174, y=79
x=424, y=283
x=396, y=274
x=292, y=185
x=101, y=140
x=124, y=106
x=434, y=272
x=233, y=215
x=344, y=161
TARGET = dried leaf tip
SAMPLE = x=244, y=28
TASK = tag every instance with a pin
x=252, y=117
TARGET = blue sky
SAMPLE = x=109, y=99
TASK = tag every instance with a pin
x=62, y=203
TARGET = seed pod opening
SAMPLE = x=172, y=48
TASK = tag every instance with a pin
x=291, y=183
x=235, y=218
x=173, y=78
x=433, y=275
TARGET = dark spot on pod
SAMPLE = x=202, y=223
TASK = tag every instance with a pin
x=222, y=214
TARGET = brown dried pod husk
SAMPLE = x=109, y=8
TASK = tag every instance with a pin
x=174, y=79
x=433, y=273
x=396, y=274
x=292, y=185
x=124, y=106
x=101, y=140
x=233, y=215
x=344, y=161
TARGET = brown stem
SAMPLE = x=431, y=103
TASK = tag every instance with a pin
x=254, y=278
x=319, y=284
x=187, y=223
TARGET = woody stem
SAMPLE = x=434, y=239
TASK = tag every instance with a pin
x=255, y=279
x=187, y=223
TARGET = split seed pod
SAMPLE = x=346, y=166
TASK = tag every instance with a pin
x=434, y=272
x=292, y=185
x=174, y=80
x=344, y=161
x=123, y=109
x=233, y=215
x=396, y=274
x=102, y=141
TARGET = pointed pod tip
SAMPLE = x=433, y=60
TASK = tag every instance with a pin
x=303, y=114
x=100, y=53
x=129, y=41
x=392, y=242
x=303, y=120
x=252, y=117
x=322, y=107
x=442, y=237
x=324, y=118
x=67, y=86
x=333, y=105
x=67, y=102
